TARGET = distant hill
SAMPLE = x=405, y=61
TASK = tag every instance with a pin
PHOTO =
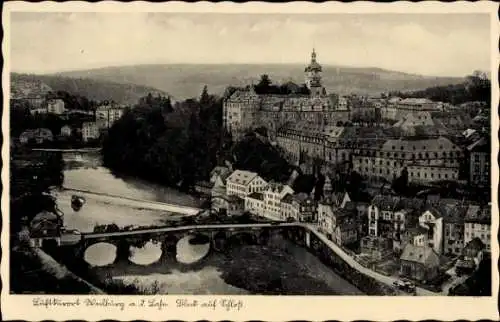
x=92, y=88
x=187, y=80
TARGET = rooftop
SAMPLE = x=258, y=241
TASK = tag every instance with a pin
x=421, y=254
x=242, y=177
x=256, y=195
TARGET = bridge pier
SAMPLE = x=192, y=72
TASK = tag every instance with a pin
x=169, y=247
x=263, y=237
x=218, y=241
x=122, y=250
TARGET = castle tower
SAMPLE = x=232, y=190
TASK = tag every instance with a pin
x=313, y=76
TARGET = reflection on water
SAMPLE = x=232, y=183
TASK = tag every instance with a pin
x=89, y=175
x=102, y=180
x=100, y=254
x=97, y=211
x=208, y=280
x=188, y=253
x=146, y=255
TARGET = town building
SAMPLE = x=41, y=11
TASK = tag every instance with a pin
x=218, y=197
x=472, y=255
x=246, y=108
x=388, y=216
x=108, y=113
x=420, y=263
x=241, y=183
x=235, y=206
x=432, y=220
x=330, y=211
x=454, y=231
x=45, y=226
x=290, y=208
x=273, y=194
x=346, y=232
x=66, y=130
x=307, y=207
x=478, y=225
x=426, y=160
x=38, y=110
x=254, y=203
x=35, y=101
x=479, y=163
x=376, y=247
x=38, y=136
x=55, y=106
x=90, y=131
x=416, y=236
x=326, y=217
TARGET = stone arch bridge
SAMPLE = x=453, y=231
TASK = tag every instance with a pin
x=219, y=236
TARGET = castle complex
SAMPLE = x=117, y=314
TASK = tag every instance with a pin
x=315, y=130
x=246, y=108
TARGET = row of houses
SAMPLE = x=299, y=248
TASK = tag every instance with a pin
x=417, y=231
x=89, y=131
x=446, y=225
x=375, y=155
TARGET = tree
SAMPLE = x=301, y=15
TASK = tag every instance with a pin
x=204, y=98
x=265, y=81
x=400, y=184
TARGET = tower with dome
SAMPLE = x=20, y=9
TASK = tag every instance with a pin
x=313, y=76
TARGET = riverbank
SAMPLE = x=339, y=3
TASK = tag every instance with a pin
x=36, y=272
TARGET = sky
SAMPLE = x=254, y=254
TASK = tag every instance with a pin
x=427, y=44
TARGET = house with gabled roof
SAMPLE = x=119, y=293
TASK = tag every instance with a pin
x=419, y=262
x=254, y=203
x=242, y=183
x=273, y=194
x=478, y=224
x=432, y=220
x=471, y=257
x=290, y=207
x=454, y=230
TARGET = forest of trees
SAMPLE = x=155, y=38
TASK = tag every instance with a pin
x=154, y=143
x=476, y=87
x=29, y=183
x=180, y=146
x=266, y=86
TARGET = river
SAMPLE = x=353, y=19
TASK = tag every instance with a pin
x=280, y=267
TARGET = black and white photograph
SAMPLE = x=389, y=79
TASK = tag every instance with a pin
x=210, y=153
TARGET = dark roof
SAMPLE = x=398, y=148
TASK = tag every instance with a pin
x=475, y=245
x=482, y=145
x=385, y=202
x=347, y=225
x=394, y=203
x=276, y=187
x=420, y=254
x=417, y=230
x=477, y=214
x=456, y=214
x=288, y=198
x=256, y=195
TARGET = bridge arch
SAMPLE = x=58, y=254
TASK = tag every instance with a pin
x=243, y=238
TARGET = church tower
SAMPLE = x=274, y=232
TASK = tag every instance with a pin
x=313, y=76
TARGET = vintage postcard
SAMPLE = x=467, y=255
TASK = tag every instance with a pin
x=256, y=161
